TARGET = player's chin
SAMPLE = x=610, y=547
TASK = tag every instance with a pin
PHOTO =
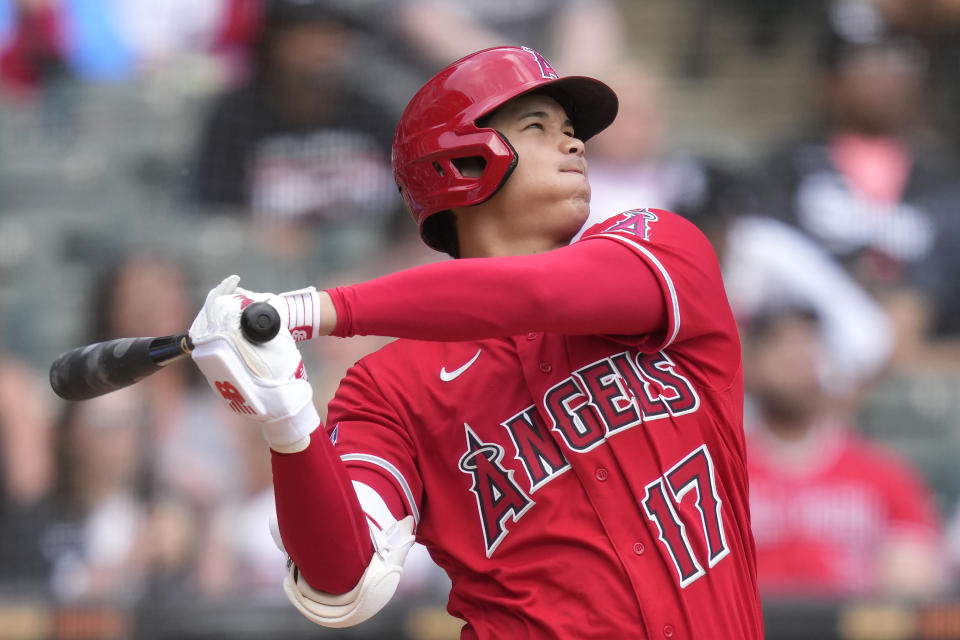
x=576, y=211
x=573, y=183
x=580, y=201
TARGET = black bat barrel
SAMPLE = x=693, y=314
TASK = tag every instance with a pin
x=96, y=369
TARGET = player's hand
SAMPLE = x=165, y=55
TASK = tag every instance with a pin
x=266, y=382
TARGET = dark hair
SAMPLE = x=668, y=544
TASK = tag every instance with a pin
x=279, y=15
x=722, y=196
x=65, y=488
x=282, y=13
x=104, y=288
x=440, y=232
x=836, y=49
x=761, y=324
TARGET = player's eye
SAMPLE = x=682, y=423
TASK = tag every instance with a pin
x=535, y=125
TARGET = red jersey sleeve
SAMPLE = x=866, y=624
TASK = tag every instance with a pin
x=700, y=324
x=373, y=443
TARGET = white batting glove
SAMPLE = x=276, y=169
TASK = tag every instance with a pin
x=264, y=382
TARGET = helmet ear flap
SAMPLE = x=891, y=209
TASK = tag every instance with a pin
x=439, y=231
x=431, y=182
x=506, y=170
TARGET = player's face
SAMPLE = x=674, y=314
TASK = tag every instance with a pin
x=547, y=197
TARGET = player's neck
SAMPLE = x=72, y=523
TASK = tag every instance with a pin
x=483, y=236
x=495, y=249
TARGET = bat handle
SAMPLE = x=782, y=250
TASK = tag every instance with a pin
x=259, y=322
x=167, y=349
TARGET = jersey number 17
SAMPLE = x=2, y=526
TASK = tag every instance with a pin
x=695, y=471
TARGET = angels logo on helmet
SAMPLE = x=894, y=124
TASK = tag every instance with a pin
x=545, y=68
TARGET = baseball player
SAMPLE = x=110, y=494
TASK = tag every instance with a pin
x=560, y=424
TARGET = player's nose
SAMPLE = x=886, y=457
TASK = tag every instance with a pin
x=574, y=146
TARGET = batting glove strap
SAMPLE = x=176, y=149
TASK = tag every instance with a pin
x=285, y=408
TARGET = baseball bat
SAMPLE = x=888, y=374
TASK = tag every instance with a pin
x=95, y=369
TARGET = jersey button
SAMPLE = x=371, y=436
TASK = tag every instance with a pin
x=533, y=335
x=639, y=548
x=546, y=367
x=668, y=631
x=601, y=474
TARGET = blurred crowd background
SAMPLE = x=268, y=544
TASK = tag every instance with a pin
x=148, y=149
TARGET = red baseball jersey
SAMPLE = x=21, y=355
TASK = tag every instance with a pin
x=820, y=524
x=576, y=486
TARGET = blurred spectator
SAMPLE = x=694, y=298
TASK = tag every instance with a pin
x=935, y=24
x=299, y=147
x=235, y=34
x=833, y=513
x=110, y=40
x=31, y=46
x=769, y=265
x=186, y=447
x=110, y=538
x=874, y=184
x=26, y=474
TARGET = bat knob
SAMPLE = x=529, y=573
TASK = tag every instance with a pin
x=260, y=322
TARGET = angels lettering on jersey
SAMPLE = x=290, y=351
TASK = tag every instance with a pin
x=594, y=403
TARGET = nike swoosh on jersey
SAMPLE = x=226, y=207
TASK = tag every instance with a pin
x=447, y=376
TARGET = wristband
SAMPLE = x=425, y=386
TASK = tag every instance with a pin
x=302, y=309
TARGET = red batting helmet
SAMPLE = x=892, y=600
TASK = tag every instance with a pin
x=439, y=126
